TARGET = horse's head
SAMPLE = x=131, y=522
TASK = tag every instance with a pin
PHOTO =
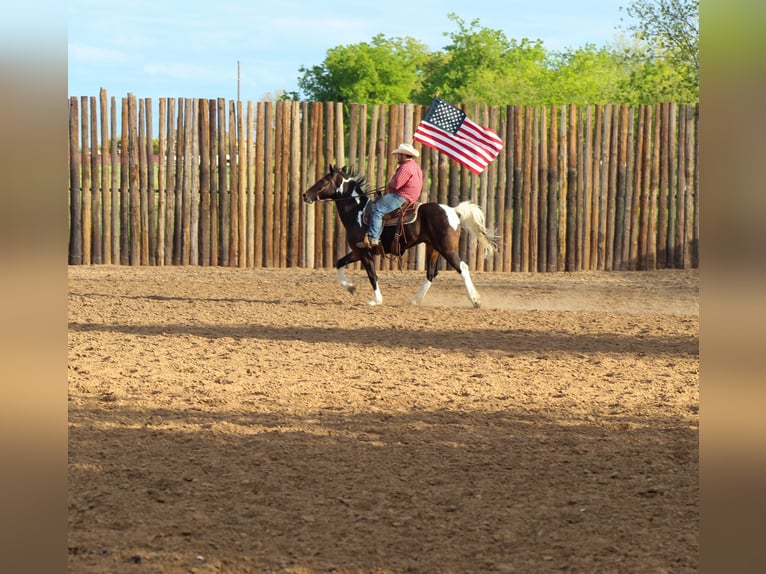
x=331, y=186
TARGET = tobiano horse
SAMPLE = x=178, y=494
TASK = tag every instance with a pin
x=438, y=226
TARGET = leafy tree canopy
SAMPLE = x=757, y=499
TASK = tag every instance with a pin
x=481, y=65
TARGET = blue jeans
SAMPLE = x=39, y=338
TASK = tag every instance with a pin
x=385, y=204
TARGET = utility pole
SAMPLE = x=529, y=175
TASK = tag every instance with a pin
x=238, y=80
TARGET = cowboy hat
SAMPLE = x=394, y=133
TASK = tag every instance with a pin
x=406, y=149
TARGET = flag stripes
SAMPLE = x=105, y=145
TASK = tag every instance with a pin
x=448, y=130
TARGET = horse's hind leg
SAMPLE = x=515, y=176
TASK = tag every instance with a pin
x=432, y=257
x=462, y=267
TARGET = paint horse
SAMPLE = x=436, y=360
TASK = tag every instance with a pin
x=438, y=226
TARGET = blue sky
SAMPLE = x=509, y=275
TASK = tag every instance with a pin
x=173, y=48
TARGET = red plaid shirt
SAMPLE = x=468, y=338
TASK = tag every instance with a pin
x=407, y=180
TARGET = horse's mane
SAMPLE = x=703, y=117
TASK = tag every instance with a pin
x=358, y=178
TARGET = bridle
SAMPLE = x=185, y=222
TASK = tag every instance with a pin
x=339, y=189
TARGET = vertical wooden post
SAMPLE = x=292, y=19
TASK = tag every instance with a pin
x=194, y=194
x=604, y=225
x=151, y=190
x=691, y=231
x=87, y=213
x=215, y=196
x=223, y=187
x=188, y=159
x=552, y=175
x=143, y=184
x=162, y=184
x=328, y=208
x=133, y=184
x=315, y=221
x=672, y=202
x=241, y=186
x=694, y=177
x=306, y=253
x=251, y=168
x=233, y=186
x=178, y=203
x=646, y=181
x=279, y=187
x=682, y=190
x=656, y=183
x=572, y=191
x=268, y=201
x=295, y=200
x=638, y=179
x=260, y=185
x=75, y=189
x=621, y=187
x=662, y=204
x=115, y=163
x=519, y=207
x=106, y=192
x=204, y=181
x=611, y=202
x=587, y=163
x=125, y=185
x=507, y=230
x=542, y=186
x=596, y=195
x=172, y=166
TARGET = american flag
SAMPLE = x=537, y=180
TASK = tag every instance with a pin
x=449, y=130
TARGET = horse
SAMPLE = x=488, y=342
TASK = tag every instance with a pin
x=437, y=225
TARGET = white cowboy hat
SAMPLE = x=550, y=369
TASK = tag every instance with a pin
x=406, y=149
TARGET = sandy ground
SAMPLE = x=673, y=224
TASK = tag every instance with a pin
x=228, y=420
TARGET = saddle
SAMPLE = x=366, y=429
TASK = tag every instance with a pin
x=403, y=215
x=400, y=217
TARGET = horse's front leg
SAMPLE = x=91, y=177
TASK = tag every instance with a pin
x=369, y=265
x=340, y=266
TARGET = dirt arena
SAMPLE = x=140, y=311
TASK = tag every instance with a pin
x=227, y=420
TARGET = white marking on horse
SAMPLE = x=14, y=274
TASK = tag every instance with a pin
x=473, y=295
x=378, y=300
x=452, y=216
x=421, y=292
x=343, y=182
x=345, y=283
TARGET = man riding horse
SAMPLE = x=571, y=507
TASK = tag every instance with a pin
x=403, y=188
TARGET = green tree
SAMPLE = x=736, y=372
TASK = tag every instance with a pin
x=587, y=75
x=383, y=71
x=670, y=31
x=481, y=65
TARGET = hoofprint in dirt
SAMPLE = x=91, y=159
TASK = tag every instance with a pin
x=230, y=420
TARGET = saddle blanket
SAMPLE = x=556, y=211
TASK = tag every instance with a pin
x=395, y=217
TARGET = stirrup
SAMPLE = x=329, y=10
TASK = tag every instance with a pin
x=364, y=243
x=367, y=243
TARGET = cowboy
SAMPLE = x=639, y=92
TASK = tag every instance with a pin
x=403, y=187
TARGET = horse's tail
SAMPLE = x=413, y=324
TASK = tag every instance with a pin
x=472, y=217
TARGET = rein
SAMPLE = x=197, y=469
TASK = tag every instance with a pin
x=371, y=192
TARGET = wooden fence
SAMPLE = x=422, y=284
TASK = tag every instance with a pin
x=211, y=182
